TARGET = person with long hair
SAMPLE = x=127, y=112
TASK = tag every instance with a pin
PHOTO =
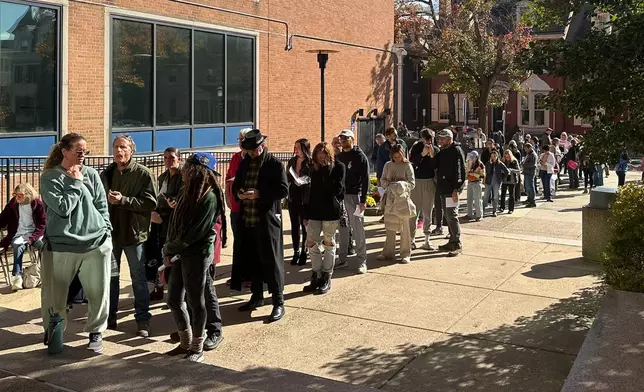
x=398, y=180
x=25, y=219
x=298, y=197
x=170, y=182
x=475, y=175
x=327, y=194
x=191, y=237
x=547, y=164
x=132, y=196
x=495, y=172
x=510, y=181
x=424, y=193
x=77, y=236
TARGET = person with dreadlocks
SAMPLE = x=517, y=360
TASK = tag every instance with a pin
x=191, y=236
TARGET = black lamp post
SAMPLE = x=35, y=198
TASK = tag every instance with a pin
x=323, y=58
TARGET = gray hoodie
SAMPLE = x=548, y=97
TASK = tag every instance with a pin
x=77, y=217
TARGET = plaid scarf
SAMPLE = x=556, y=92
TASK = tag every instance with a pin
x=251, y=213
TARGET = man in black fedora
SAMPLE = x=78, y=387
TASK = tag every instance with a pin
x=260, y=185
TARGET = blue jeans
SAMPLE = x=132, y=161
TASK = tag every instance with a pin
x=136, y=261
x=545, y=180
x=528, y=180
x=18, y=253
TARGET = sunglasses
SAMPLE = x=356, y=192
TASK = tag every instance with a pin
x=80, y=153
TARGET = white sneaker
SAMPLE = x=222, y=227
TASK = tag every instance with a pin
x=362, y=269
x=405, y=260
x=16, y=283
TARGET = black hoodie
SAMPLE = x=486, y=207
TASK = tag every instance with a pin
x=450, y=173
x=356, y=180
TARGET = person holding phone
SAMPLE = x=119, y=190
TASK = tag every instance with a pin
x=424, y=193
x=170, y=182
x=258, y=253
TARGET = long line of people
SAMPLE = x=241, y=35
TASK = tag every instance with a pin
x=179, y=229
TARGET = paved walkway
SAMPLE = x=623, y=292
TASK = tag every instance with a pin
x=509, y=314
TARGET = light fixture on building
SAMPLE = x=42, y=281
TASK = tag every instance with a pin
x=323, y=57
x=220, y=91
x=373, y=112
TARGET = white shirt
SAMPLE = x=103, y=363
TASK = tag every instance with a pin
x=547, y=162
x=26, y=224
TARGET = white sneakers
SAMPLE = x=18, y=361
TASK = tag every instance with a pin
x=16, y=283
x=363, y=268
x=405, y=260
x=427, y=245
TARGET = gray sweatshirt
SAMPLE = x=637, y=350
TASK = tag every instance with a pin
x=77, y=217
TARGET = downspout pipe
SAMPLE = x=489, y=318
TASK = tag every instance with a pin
x=333, y=41
x=226, y=10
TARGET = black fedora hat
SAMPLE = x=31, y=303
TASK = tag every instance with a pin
x=253, y=139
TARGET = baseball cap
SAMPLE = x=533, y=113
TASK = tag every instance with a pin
x=445, y=133
x=204, y=159
x=347, y=133
x=474, y=154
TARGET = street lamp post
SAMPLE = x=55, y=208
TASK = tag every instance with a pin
x=323, y=58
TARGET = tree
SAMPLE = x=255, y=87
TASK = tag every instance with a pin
x=603, y=68
x=476, y=43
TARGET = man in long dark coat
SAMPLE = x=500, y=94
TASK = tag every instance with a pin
x=260, y=185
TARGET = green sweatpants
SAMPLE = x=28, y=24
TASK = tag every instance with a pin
x=57, y=272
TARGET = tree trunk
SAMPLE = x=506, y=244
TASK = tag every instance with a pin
x=483, y=112
x=451, y=100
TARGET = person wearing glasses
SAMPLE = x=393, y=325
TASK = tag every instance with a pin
x=132, y=195
x=77, y=236
x=25, y=219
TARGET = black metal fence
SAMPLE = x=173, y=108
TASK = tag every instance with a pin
x=17, y=170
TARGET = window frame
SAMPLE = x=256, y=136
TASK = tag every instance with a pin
x=532, y=110
x=59, y=73
x=191, y=126
x=443, y=120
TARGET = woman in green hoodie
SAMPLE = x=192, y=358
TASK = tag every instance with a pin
x=191, y=235
x=77, y=236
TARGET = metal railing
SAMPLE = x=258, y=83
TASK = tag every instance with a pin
x=17, y=170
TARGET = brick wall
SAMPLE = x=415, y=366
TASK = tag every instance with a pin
x=289, y=82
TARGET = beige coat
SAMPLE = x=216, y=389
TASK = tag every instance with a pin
x=398, y=181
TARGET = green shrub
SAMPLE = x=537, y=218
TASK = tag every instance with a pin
x=624, y=258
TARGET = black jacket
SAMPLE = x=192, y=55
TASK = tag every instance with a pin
x=424, y=166
x=495, y=173
x=298, y=195
x=450, y=165
x=485, y=156
x=356, y=181
x=327, y=192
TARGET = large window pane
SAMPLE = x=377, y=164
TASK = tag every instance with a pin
x=173, y=76
x=240, y=80
x=443, y=107
x=131, y=74
x=209, y=78
x=28, y=68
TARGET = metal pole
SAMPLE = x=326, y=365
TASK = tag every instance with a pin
x=400, y=53
x=321, y=104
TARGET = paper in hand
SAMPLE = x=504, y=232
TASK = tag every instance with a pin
x=358, y=212
x=299, y=180
x=450, y=203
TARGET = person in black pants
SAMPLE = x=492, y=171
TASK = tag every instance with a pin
x=510, y=181
x=298, y=197
x=191, y=236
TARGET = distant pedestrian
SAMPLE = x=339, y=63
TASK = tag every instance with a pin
x=622, y=167
x=298, y=197
x=530, y=162
x=510, y=181
x=423, y=194
x=475, y=177
x=495, y=173
x=546, y=170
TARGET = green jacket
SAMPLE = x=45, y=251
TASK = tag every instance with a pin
x=198, y=238
x=77, y=217
x=131, y=218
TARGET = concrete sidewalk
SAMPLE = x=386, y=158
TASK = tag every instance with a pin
x=509, y=314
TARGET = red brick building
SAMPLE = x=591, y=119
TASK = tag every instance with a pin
x=187, y=73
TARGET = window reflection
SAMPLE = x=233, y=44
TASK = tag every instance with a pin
x=240, y=79
x=209, y=78
x=28, y=68
x=131, y=74
x=173, y=76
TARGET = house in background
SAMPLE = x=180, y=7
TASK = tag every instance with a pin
x=525, y=109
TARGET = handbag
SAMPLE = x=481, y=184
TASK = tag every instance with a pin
x=572, y=165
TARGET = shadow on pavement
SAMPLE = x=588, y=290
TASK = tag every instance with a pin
x=562, y=270
x=532, y=353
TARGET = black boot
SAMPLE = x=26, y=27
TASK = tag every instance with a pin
x=253, y=304
x=296, y=257
x=325, y=284
x=315, y=283
x=302, y=260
